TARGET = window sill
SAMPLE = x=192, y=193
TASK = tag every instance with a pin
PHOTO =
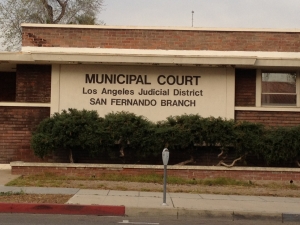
x=269, y=108
x=25, y=104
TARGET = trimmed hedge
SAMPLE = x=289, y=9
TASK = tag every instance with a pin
x=125, y=134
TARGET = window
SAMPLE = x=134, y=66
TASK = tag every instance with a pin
x=279, y=88
x=7, y=87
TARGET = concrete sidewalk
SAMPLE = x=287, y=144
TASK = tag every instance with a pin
x=5, y=174
x=178, y=204
x=136, y=202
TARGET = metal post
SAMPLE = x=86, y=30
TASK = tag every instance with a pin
x=165, y=186
x=165, y=158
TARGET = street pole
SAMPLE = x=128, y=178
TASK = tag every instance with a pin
x=165, y=158
x=165, y=186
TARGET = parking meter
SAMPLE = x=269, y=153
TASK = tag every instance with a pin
x=165, y=158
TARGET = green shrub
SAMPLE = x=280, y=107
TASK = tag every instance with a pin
x=282, y=145
x=68, y=131
x=182, y=131
x=249, y=139
x=128, y=135
x=133, y=135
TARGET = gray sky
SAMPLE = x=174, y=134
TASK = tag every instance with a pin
x=207, y=13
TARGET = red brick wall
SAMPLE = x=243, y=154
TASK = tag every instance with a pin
x=7, y=87
x=16, y=125
x=269, y=118
x=195, y=172
x=162, y=39
x=245, y=87
x=33, y=83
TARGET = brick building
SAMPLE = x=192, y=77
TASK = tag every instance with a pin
x=236, y=74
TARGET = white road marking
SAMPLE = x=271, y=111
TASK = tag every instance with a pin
x=145, y=223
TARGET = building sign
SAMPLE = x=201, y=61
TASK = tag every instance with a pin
x=154, y=92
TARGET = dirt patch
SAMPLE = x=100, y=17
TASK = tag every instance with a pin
x=35, y=198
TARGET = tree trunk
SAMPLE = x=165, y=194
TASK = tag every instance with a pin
x=71, y=156
x=122, y=152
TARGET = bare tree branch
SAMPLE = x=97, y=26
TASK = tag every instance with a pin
x=221, y=163
x=49, y=10
x=63, y=10
x=222, y=152
x=191, y=160
x=15, y=12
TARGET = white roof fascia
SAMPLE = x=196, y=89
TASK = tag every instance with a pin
x=146, y=56
x=136, y=56
x=157, y=52
x=278, y=63
x=56, y=55
x=7, y=57
x=139, y=59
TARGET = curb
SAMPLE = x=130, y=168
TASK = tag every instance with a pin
x=183, y=213
x=97, y=210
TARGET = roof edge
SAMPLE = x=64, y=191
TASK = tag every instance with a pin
x=75, y=26
x=160, y=52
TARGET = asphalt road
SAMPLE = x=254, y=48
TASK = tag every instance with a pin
x=32, y=219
